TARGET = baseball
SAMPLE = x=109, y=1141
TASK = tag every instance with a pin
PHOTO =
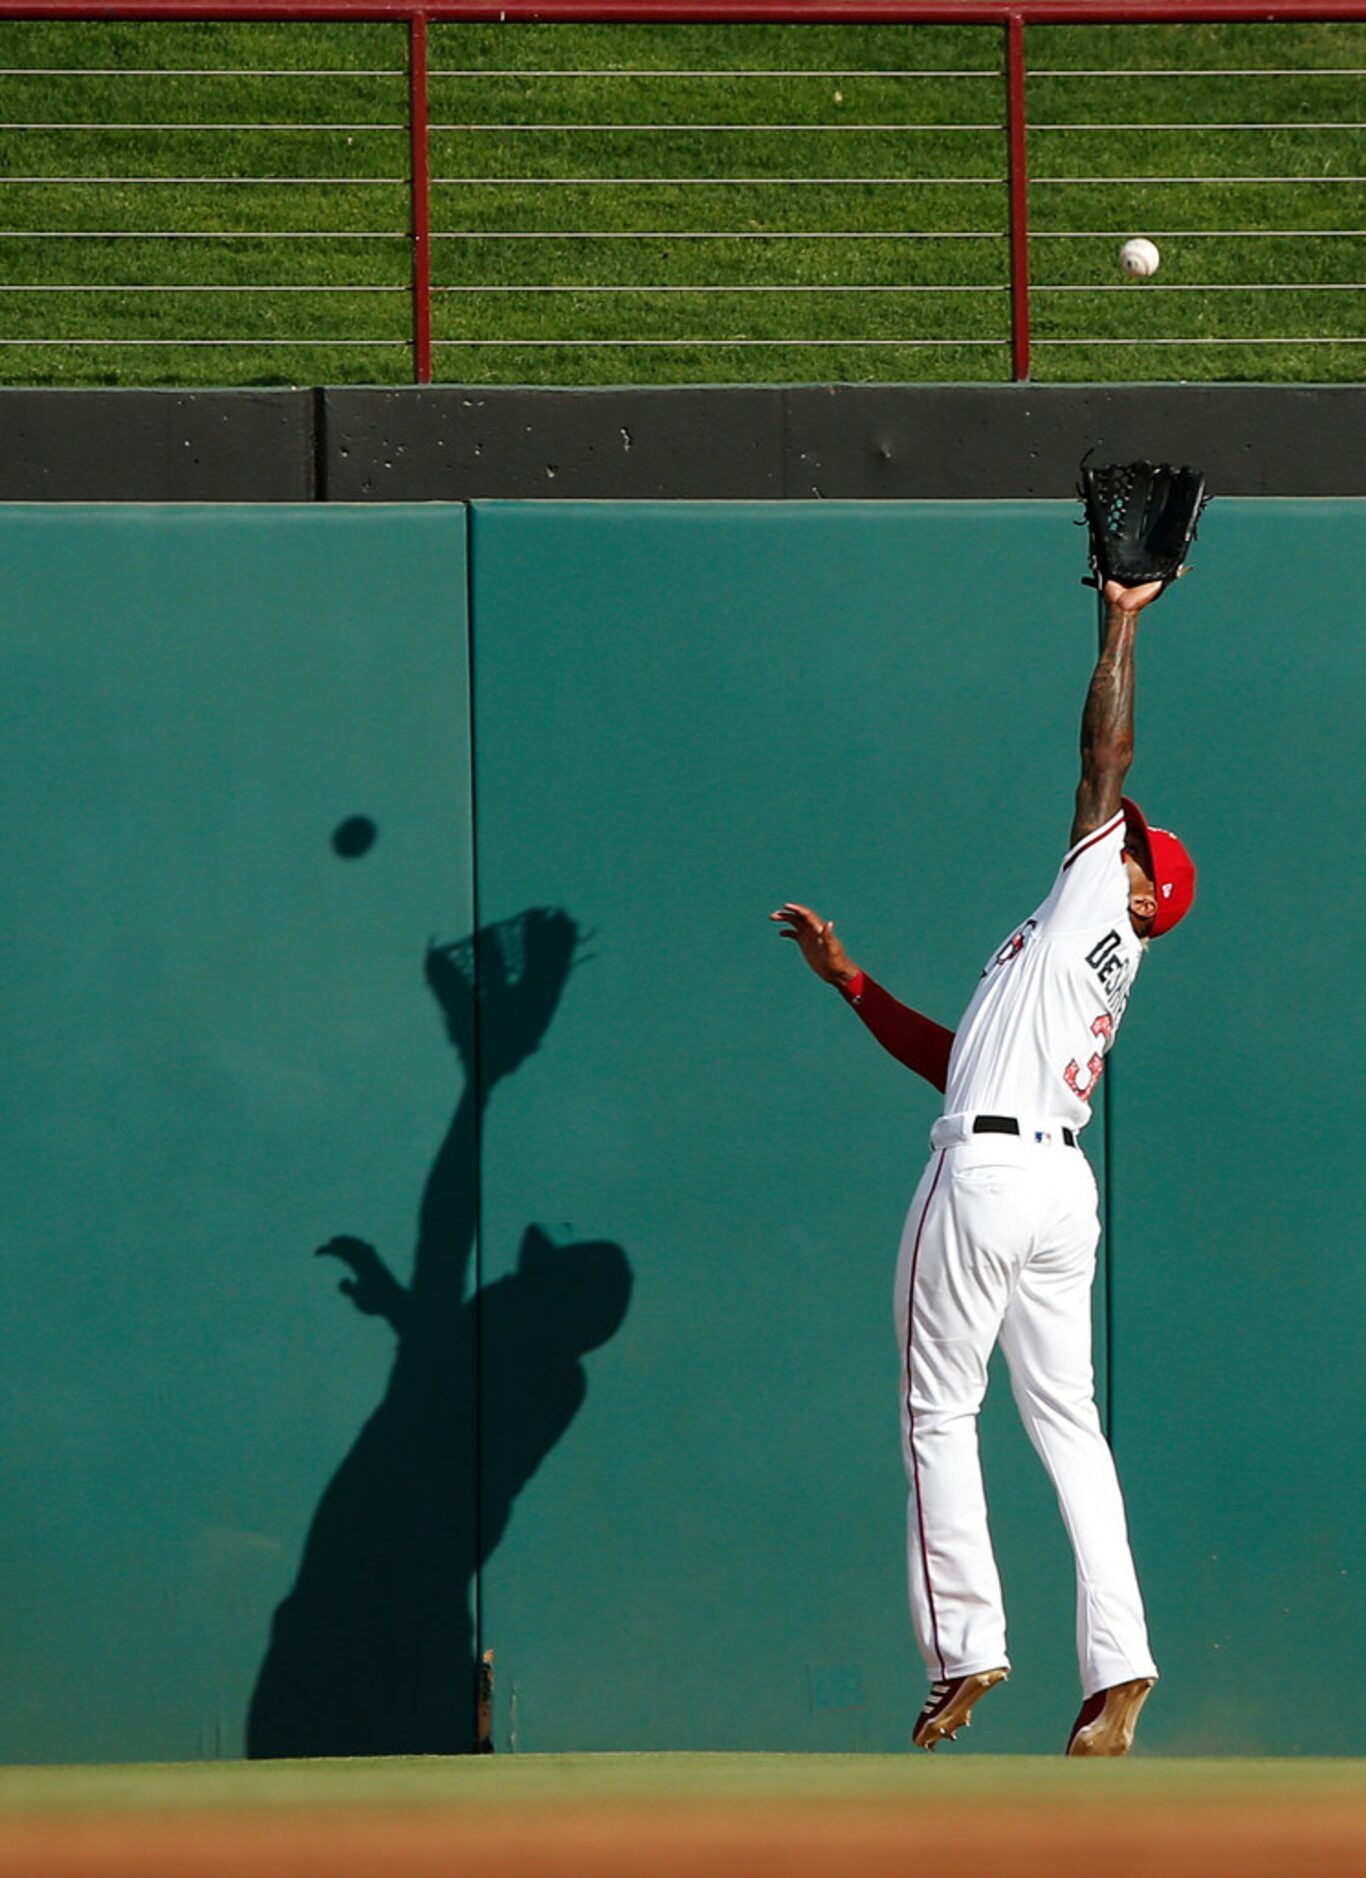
x=1139, y=258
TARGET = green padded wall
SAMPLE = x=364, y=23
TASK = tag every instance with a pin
x=684, y=715
x=220, y=1052
x=1238, y=1120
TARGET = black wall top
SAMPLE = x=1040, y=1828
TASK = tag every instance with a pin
x=157, y=446
x=453, y=443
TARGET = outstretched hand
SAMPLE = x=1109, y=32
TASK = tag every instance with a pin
x=822, y=951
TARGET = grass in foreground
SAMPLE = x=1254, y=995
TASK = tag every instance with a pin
x=553, y=1779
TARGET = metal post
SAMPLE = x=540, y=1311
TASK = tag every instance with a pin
x=1018, y=175
x=420, y=198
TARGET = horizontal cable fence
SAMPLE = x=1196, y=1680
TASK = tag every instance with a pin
x=396, y=191
x=1254, y=204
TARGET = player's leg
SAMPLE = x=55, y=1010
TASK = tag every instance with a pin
x=1046, y=1337
x=951, y=1291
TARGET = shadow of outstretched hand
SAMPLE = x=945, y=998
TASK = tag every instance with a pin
x=372, y=1287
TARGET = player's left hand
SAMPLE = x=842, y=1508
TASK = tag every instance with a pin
x=823, y=952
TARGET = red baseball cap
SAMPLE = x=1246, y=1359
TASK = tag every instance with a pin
x=1173, y=870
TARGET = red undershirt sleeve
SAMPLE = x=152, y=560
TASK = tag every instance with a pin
x=916, y=1041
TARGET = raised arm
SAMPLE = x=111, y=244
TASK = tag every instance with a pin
x=1107, y=720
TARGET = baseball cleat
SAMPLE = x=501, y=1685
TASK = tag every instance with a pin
x=1108, y=1719
x=950, y=1706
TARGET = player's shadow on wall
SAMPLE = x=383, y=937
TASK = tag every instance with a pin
x=373, y=1650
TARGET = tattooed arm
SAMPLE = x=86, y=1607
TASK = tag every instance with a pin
x=1107, y=723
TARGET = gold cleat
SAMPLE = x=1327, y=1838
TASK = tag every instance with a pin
x=950, y=1705
x=1108, y=1719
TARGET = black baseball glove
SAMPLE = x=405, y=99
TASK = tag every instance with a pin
x=1141, y=519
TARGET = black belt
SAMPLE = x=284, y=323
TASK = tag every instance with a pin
x=1007, y=1125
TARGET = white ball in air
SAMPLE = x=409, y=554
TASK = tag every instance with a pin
x=1139, y=258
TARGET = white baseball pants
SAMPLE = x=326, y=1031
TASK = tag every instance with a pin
x=1000, y=1243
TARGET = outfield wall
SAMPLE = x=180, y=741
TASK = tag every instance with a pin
x=635, y=1430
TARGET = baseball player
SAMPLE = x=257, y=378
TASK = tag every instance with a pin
x=1000, y=1241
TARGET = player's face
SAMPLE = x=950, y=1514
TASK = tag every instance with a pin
x=1142, y=892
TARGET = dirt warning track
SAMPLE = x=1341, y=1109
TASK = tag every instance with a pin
x=877, y=1838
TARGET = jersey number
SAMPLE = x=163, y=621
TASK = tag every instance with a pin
x=1104, y=1026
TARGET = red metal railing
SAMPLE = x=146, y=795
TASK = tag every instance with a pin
x=1018, y=174
x=704, y=12
x=1012, y=16
x=421, y=207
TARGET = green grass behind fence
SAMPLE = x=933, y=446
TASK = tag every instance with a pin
x=864, y=241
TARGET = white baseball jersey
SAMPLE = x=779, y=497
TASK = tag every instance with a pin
x=1033, y=1041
